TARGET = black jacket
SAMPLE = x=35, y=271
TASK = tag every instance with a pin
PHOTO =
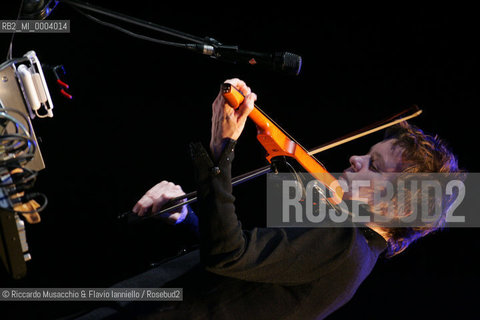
x=291, y=273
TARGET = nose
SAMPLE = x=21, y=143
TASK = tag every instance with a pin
x=357, y=163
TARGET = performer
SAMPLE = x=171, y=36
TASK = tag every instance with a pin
x=273, y=273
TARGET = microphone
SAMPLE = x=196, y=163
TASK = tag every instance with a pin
x=278, y=61
x=37, y=9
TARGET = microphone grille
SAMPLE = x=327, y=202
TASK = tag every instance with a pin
x=291, y=63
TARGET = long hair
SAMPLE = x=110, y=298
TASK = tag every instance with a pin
x=422, y=153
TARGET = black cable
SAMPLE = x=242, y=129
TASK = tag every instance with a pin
x=29, y=197
x=30, y=129
x=24, y=142
x=9, y=53
x=131, y=33
x=27, y=177
x=28, y=146
x=128, y=19
x=20, y=154
x=19, y=159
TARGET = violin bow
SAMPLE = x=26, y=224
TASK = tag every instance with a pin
x=404, y=115
x=411, y=112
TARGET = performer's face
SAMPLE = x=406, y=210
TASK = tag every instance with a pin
x=373, y=169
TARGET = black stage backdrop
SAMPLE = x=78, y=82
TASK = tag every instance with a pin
x=138, y=104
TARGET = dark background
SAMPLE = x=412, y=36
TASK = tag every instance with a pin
x=138, y=104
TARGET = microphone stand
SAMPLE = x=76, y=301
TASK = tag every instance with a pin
x=280, y=61
x=136, y=21
x=207, y=45
x=283, y=61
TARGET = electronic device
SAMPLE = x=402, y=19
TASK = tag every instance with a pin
x=24, y=96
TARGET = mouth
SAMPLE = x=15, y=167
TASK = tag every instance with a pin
x=343, y=176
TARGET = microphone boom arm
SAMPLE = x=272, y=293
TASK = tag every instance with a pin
x=135, y=21
x=280, y=61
